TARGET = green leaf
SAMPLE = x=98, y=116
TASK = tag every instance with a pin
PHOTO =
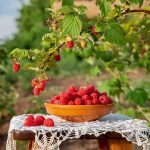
x=65, y=9
x=81, y=8
x=138, y=96
x=32, y=66
x=84, y=24
x=130, y=112
x=104, y=6
x=114, y=34
x=105, y=55
x=94, y=71
x=140, y=2
x=52, y=64
x=100, y=26
x=22, y=53
x=72, y=25
x=14, y=52
x=67, y=2
x=52, y=2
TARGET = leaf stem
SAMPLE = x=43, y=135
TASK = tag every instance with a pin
x=144, y=114
x=108, y=69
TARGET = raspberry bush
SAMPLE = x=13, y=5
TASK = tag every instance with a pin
x=108, y=41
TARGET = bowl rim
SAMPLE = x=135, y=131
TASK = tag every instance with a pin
x=46, y=104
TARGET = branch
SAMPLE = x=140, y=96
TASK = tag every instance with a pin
x=132, y=11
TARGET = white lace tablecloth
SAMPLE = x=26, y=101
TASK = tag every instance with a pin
x=133, y=130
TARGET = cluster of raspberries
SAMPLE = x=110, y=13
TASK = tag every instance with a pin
x=85, y=95
x=38, y=85
x=39, y=120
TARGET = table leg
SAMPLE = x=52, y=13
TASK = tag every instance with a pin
x=30, y=145
x=114, y=144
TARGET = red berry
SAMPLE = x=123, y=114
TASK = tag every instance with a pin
x=87, y=102
x=83, y=92
x=93, y=96
x=61, y=94
x=143, y=51
x=36, y=91
x=75, y=95
x=56, y=98
x=103, y=99
x=71, y=103
x=34, y=82
x=110, y=101
x=42, y=86
x=96, y=101
x=39, y=120
x=76, y=89
x=104, y=93
x=29, y=123
x=93, y=29
x=70, y=44
x=63, y=101
x=46, y=80
x=57, y=57
x=71, y=89
x=95, y=91
x=78, y=101
x=51, y=102
x=16, y=67
x=91, y=87
x=48, y=122
x=57, y=102
x=31, y=117
x=69, y=96
x=82, y=87
x=86, y=97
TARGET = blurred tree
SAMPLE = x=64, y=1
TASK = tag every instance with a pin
x=31, y=26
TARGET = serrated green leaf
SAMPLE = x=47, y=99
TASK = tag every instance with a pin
x=32, y=66
x=51, y=50
x=37, y=51
x=67, y=2
x=52, y=2
x=20, y=54
x=114, y=33
x=14, y=51
x=138, y=96
x=50, y=9
x=72, y=25
x=104, y=6
x=84, y=24
x=140, y=2
x=52, y=64
x=65, y=9
x=100, y=26
x=105, y=55
x=81, y=8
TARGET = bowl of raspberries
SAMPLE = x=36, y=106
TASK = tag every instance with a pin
x=80, y=105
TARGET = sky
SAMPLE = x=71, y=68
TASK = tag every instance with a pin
x=8, y=14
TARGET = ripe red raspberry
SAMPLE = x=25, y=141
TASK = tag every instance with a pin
x=103, y=99
x=69, y=96
x=95, y=91
x=75, y=95
x=30, y=123
x=143, y=50
x=70, y=44
x=71, y=103
x=36, y=91
x=31, y=117
x=57, y=57
x=39, y=120
x=46, y=80
x=86, y=97
x=83, y=92
x=16, y=67
x=96, y=101
x=78, y=101
x=57, y=102
x=76, y=89
x=51, y=102
x=93, y=29
x=89, y=90
x=56, y=98
x=91, y=87
x=34, y=82
x=61, y=94
x=48, y=122
x=71, y=89
x=87, y=102
x=93, y=96
x=82, y=87
x=104, y=93
x=63, y=101
x=42, y=86
x=110, y=101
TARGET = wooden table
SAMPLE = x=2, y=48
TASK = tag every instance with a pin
x=108, y=141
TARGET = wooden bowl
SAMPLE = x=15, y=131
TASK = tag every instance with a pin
x=79, y=113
